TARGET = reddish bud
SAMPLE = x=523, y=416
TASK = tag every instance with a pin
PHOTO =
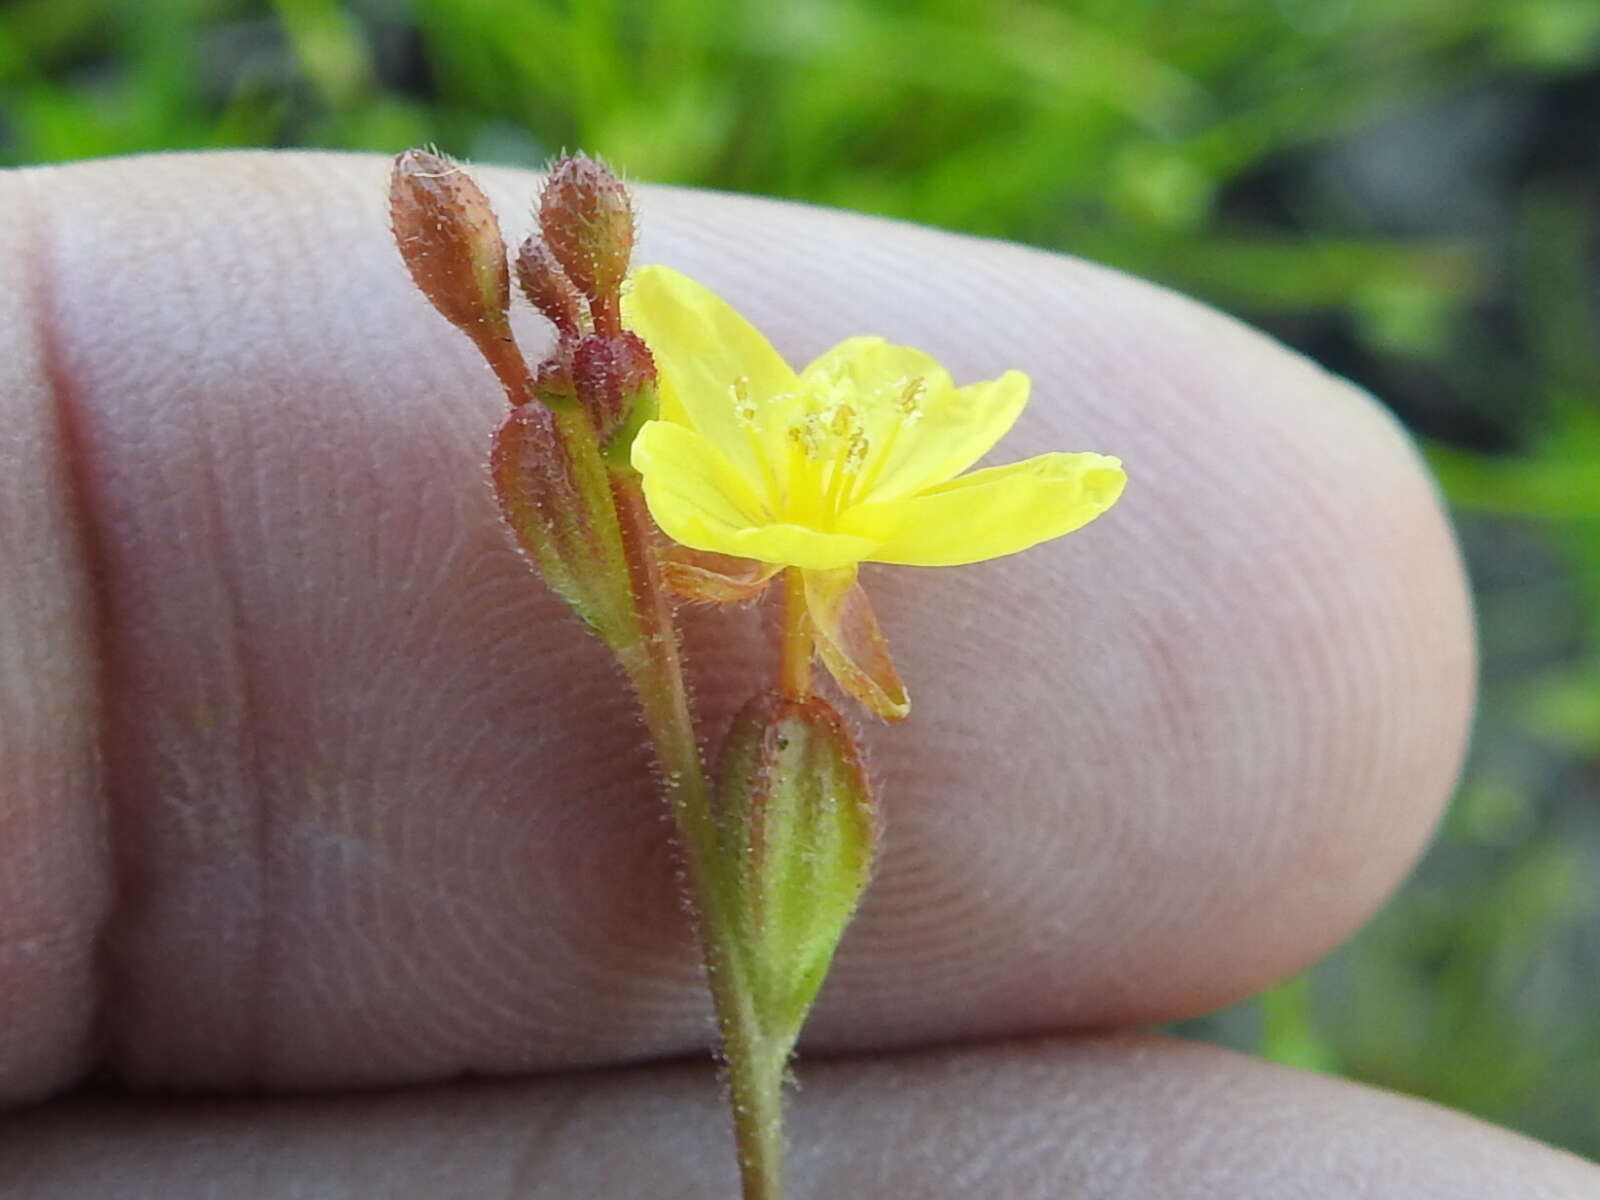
x=548, y=289
x=588, y=224
x=536, y=484
x=450, y=240
x=451, y=244
x=609, y=373
x=637, y=364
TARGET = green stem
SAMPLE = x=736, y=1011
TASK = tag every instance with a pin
x=644, y=638
x=794, y=661
x=755, y=1072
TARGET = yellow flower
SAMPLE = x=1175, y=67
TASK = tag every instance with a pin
x=857, y=458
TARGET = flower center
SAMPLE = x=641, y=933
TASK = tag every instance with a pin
x=839, y=442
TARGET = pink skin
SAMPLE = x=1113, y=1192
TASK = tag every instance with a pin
x=305, y=783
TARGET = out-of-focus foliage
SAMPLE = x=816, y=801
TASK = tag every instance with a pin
x=1406, y=189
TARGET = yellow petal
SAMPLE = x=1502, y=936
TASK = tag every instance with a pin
x=703, y=349
x=880, y=383
x=693, y=493
x=955, y=429
x=869, y=368
x=700, y=501
x=921, y=428
x=797, y=546
x=999, y=511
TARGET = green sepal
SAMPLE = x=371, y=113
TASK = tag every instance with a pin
x=642, y=406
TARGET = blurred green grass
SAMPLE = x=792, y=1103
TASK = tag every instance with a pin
x=1408, y=190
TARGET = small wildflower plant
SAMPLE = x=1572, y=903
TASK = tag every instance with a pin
x=664, y=450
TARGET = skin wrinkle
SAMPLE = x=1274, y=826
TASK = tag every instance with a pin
x=1119, y=1118
x=930, y=960
x=58, y=1035
x=258, y=1052
x=223, y=719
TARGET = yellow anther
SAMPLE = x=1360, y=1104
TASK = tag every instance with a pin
x=910, y=398
x=856, y=454
x=804, y=438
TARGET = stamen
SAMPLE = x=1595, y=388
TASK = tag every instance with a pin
x=856, y=454
x=742, y=406
x=847, y=451
x=910, y=399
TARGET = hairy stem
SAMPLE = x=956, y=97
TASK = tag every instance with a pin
x=645, y=641
x=755, y=1072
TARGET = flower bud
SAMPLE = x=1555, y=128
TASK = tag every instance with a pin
x=450, y=240
x=611, y=375
x=451, y=244
x=587, y=221
x=536, y=485
x=548, y=289
x=797, y=832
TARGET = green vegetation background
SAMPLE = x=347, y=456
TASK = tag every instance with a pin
x=1408, y=190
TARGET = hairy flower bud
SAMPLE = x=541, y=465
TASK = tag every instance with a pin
x=450, y=240
x=536, y=484
x=797, y=833
x=451, y=244
x=587, y=221
x=548, y=289
x=611, y=375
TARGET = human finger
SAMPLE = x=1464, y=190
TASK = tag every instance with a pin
x=1126, y=1117
x=340, y=795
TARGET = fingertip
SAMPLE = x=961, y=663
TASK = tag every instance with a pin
x=1173, y=757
